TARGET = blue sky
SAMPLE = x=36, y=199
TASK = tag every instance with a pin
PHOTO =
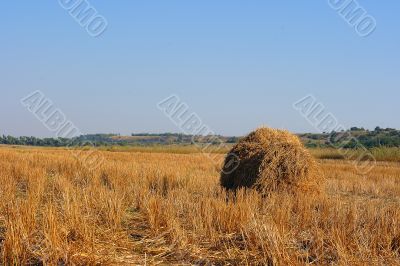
x=237, y=64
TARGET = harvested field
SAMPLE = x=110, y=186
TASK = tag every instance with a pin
x=160, y=208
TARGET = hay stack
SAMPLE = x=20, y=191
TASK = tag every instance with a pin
x=270, y=160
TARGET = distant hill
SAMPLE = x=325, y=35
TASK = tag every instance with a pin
x=355, y=137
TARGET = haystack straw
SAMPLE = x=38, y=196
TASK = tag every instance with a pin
x=271, y=160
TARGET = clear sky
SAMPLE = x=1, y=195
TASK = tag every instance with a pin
x=237, y=64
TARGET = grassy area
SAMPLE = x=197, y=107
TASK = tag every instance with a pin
x=379, y=154
x=176, y=149
x=390, y=154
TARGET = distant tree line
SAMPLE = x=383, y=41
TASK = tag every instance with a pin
x=378, y=137
x=355, y=138
x=33, y=141
x=54, y=142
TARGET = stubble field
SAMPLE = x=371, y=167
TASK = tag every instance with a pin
x=166, y=208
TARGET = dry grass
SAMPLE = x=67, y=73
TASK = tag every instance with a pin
x=384, y=154
x=173, y=148
x=164, y=208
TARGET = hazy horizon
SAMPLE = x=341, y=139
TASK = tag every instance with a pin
x=172, y=132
